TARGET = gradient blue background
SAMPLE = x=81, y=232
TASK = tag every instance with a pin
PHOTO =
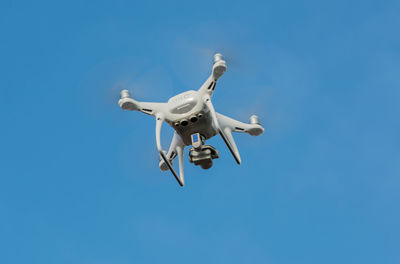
x=79, y=177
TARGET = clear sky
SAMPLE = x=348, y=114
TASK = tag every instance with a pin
x=79, y=177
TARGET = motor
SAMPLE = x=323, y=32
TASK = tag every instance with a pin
x=219, y=66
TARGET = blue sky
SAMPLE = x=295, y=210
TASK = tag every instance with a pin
x=79, y=177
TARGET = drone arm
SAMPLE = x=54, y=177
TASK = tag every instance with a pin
x=224, y=131
x=254, y=128
x=152, y=108
x=208, y=86
x=129, y=104
x=180, y=179
x=218, y=69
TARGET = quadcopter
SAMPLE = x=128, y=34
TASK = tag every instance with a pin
x=193, y=117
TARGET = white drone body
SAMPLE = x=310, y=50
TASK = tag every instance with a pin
x=191, y=114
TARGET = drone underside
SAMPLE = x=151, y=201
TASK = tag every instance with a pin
x=192, y=116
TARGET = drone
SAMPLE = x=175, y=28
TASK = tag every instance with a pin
x=193, y=117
